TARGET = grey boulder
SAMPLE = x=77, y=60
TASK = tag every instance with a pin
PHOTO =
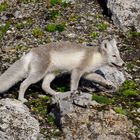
x=125, y=14
x=16, y=121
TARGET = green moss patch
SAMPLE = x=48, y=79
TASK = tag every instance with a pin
x=102, y=26
x=120, y=110
x=3, y=6
x=54, y=14
x=37, y=32
x=102, y=99
x=94, y=35
x=39, y=106
x=62, y=89
x=129, y=88
x=55, y=2
x=4, y=29
x=55, y=27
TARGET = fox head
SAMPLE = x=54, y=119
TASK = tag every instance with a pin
x=110, y=50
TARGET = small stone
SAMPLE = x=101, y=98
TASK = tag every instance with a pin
x=4, y=18
x=79, y=27
x=90, y=18
x=9, y=31
x=71, y=35
x=18, y=14
x=138, y=110
x=83, y=21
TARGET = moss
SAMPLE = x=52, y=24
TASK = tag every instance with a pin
x=51, y=28
x=4, y=29
x=51, y=119
x=3, y=6
x=37, y=32
x=62, y=89
x=74, y=18
x=39, y=106
x=19, y=26
x=55, y=2
x=129, y=84
x=130, y=92
x=21, y=48
x=133, y=34
x=130, y=66
x=55, y=27
x=65, y=4
x=102, y=26
x=94, y=35
x=120, y=110
x=137, y=104
x=129, y=88
x=55, y=14
x=98, y=16
x=136, y=131
x=102, y=99
x=60, y=27
x=29, y=21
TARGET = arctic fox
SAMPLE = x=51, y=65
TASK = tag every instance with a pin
x=45, y=61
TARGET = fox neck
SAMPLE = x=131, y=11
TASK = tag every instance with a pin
x=98, y=60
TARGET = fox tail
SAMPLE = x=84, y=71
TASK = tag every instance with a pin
x=15, y=73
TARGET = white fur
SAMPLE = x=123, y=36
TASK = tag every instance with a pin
x=66, y=61
x=27, y=59
x=96, y=61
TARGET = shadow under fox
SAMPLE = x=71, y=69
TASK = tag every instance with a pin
x=45, y=61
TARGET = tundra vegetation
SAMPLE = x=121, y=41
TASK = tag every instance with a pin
x=63, y=21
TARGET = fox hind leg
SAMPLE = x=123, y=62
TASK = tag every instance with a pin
x=31, y=79
x=100, y=80
x=47, y=82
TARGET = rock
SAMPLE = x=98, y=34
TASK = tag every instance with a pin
x=138, y=110
x=90, y=18
x=83, y=100
x=1, y=1
x=4, y=17
x=125, y=14
x=16, y=121
x=71, y=35
x=18, y=14
x=83, y=21
x=112, y=74
x=87, y=124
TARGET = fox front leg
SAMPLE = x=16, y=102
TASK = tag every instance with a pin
x=75, y=78
x=101, y=80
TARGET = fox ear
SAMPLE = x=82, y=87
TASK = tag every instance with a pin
x=106, y=47
x=113, y=42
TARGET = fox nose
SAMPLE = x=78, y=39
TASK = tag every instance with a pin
x=123, y=64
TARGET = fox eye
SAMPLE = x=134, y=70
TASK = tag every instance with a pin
x=114, y=55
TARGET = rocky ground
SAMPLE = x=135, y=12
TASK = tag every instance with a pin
x=25, y=24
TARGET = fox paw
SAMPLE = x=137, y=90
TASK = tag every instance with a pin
x=23, y=100
x=112, y=87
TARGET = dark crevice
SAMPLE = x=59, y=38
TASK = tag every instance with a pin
x=106, y=10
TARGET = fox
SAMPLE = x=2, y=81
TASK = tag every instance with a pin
x=47, y=61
